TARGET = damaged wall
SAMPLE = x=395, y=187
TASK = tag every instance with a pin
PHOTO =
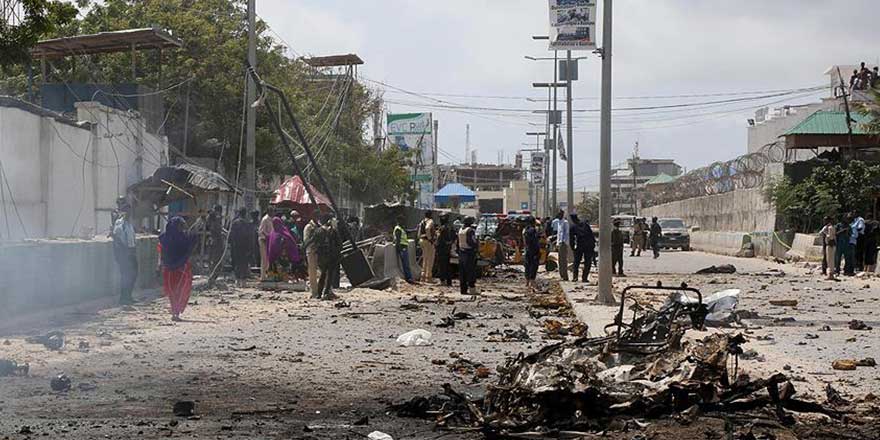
x=65, y=176
x=52, y=273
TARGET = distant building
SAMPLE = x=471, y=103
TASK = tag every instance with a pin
x=480, y=177
x=637, y=173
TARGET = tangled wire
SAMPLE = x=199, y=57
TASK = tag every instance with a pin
x=743, y=172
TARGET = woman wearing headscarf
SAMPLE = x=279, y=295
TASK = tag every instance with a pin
x=281, y=243
x=175, y=246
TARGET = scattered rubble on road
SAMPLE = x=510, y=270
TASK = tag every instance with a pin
x=9, y=367
x=53, y=340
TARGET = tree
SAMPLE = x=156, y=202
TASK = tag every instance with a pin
x=588, y=209
x=209, y=72
x=38, y=18
x=830, y=190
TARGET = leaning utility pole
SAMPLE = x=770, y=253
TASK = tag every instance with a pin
x=250, y=183
x=606, y=296
x=554, y=205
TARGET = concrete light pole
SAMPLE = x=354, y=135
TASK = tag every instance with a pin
x=606, y=296
x=569, y=137
x=250, y=175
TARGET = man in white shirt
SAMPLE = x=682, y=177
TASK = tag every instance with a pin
x=263, y=233
x=562, y=244
x=125, y=253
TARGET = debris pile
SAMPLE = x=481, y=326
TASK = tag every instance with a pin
x=646, y=368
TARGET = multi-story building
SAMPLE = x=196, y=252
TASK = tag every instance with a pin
x=626, y=183
x=480, y=177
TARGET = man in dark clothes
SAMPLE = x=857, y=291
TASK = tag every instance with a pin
x=617, y=250
x=255, y=223
x=584, y=243
x=241, y=245
x=467, y=256
x=656, y=233
x=329, y=247
x=401, y=245
x=532, y=244
x=125, y=252
x=214, y=226
x=445, y=239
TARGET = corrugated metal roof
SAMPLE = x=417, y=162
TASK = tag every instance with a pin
x=829, y=122
x=661, y=179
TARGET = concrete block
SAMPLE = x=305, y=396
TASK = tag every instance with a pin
x=724, y=243
x=804, y=247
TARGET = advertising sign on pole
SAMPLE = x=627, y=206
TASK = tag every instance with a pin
x=572, y=24
x=537, y=167
x=413, y=131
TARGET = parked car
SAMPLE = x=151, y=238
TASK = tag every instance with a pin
x=675, y=234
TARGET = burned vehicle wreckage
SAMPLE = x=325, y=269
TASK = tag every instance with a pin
x=656, y=365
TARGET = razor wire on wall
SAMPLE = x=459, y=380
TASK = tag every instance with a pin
x=743, y=172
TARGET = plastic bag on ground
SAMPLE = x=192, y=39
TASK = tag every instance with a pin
x=415, y=338
x=379, y=435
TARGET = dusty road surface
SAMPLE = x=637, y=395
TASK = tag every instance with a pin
x=261, y=364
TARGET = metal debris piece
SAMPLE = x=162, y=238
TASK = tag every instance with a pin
x=184, y=408
x=53, y=340
x=60, y=383
x=9, y=367
x=856, y=324
x=722, y=269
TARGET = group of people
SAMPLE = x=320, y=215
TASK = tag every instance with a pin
x=851, y=241
x=436, y=243
x=645, y=236
x=864, y=78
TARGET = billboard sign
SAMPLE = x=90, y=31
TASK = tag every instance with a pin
x=572, y=24
x=537, y=167
x=424, y=184
x=413, y=131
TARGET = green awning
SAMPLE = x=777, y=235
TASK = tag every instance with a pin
x=661, y=179
x=825, y=122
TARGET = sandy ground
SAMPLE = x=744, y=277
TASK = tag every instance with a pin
x=275, y=365
x=803, y=348
x=306, y=369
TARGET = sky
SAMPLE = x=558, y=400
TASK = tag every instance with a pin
x=662, y=49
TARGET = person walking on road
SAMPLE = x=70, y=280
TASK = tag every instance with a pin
x=637, y=241
x=563, y=235
x=829, y=239
x=311, y=247
x=176, y=245
x=329, y=247
x=584, y=246
x=214, y=227
x=656, y=233
x=263, y=232
x=427, y=238
x=445, y=239
x=241, y=237
x=617, y=250
x=401, y=245
x=125, y=252
x=467, y=256
x=872, y=231
x=532, y=244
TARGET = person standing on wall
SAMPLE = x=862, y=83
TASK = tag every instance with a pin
x=445, y=239
x=401, y=246
x=829, y=241
x=563, y=235
x=241, y=246
x=175, y=246
x=125, y=251
x=656, y=233
x=467, y=256
x=584, y=246
x=532, y=244
x=263, y=232
x=427, y=238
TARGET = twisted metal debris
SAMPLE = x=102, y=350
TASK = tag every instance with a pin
x=746, y=171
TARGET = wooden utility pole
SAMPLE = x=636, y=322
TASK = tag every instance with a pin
x=250, y=183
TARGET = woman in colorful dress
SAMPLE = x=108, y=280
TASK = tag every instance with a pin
x=176, y=245
x=282, y=246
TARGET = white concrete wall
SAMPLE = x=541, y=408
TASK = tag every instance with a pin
x=65, y=179
x=743, y=210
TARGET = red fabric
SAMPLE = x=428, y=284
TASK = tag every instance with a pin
x=177, y=285
x=294, y=191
